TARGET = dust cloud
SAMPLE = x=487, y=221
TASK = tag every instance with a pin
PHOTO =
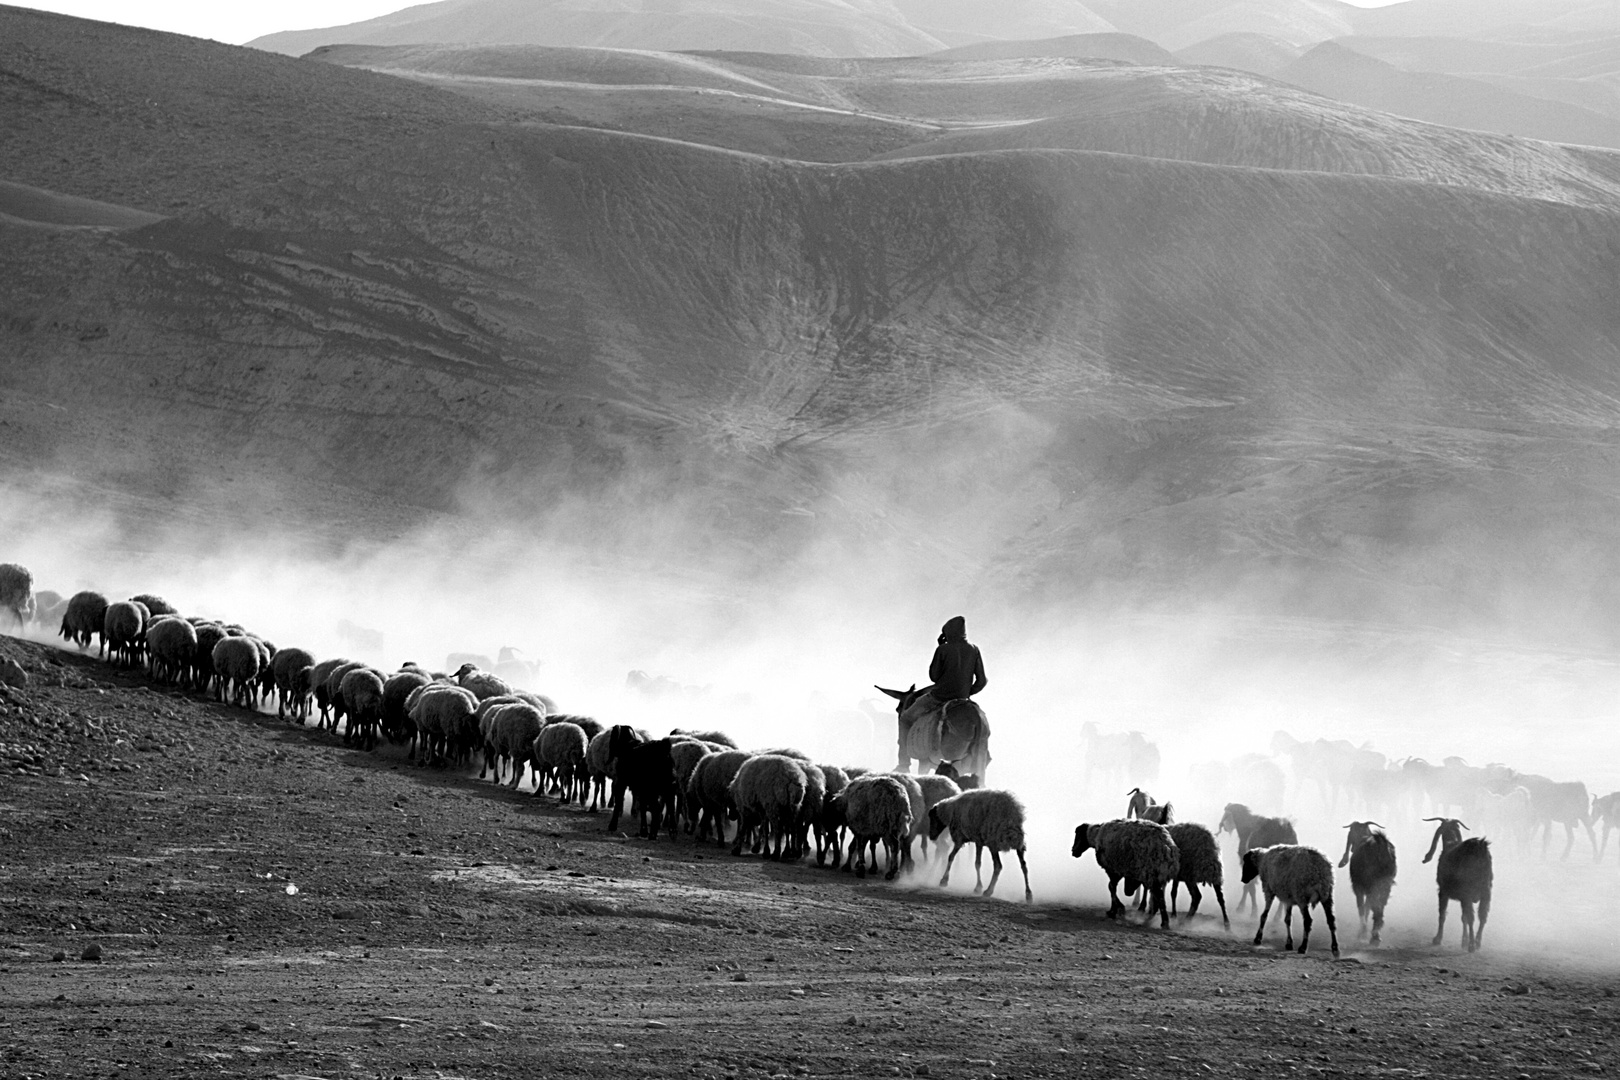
x=789, y=655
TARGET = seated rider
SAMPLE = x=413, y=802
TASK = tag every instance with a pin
x=957, y=670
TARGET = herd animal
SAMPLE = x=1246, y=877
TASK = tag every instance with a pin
x=780, y=803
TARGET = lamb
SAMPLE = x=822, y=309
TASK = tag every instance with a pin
x=17, y=593
x=1200, y=865
x=1254, y=831
x=1299, y=876
x=236, y=660
x=361, y=691
x=708, y=792
x=85, y=617
x=291, y=669
x=170, y=642
x=1142, y=806
x=1140, y=853
x=1371, y=858
x=985, y=818
x=876, y=808
x=561, y=748
x=1464, y=874
x=124, y=631
x=644, y=769
x=768, y=792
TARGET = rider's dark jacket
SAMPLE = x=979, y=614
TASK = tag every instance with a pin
x=957, y=670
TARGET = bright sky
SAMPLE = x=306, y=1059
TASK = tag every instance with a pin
x=236, y=22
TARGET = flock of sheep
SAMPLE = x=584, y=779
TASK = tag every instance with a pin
x=780, y=802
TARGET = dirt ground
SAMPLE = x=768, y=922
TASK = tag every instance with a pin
x=270, y=903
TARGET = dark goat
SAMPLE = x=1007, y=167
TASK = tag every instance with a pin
x=1371, y=858
x=1254, y=831
x=1464, y=874
x=648, y=771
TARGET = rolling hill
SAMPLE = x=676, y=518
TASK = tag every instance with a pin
x=1197, y=333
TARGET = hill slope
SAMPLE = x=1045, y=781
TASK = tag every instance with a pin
x=1197, y=330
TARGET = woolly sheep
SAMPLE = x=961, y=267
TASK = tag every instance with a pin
x=483, y=684
x=876, y=808
x=171, y=643
x=202, y=666
x=484, y=716
x=123, y=630
x=1200, y=865
x=291, y=669
x=1299, y=876
x=361, y=691
x=596, y=768
x=684, y=754
x=236, y=661
x=709, y=791
x=397, y=688
x=561, y=748
x=85, y=617
x=155, y=605
x=815, y=800
x=332, y=688
x=919, y=815
x=318, y=682
x=986, y=818
x=17, y=593
x=509, y=734
x=1252, y=831
x=768, y=792
x=1140, y=853
x=49, y=607
x=1371, y=858
x=1464, y=874
x=641, y=767
x=719, y=738
x=438, y=714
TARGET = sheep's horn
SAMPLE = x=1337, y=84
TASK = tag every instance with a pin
x=1375, y=824
x=1462, y=825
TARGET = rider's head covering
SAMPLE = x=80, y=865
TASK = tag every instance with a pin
x=954, y=630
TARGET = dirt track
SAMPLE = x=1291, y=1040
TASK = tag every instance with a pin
x=442, y=927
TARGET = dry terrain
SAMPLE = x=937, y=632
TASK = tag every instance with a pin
x=268, y=902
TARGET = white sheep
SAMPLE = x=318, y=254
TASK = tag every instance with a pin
x=561, y=749
x=986, y=818
x=513, y=729
x=1140, y=853
x=483, y=684
x=17, y=593
x=1299, y=876
x=84, y=617
x=236, y=662
x=170, y=643
x=876, y=808
x=439, y=713
x=768, y=793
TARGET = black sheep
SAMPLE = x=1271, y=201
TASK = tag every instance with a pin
x=1464, y=874
x=648, y=771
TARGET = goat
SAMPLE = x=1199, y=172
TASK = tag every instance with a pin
x=1254, y=831
x=1142, y=806
x=1464, y=875
x=1371, y=858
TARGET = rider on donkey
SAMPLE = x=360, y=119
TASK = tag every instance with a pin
x=957, y=671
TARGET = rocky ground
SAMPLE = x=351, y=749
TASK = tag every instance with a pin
x=267, y=902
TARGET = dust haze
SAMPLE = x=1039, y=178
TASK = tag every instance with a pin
x=782, y=647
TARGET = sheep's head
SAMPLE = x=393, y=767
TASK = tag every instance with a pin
x=1251, y=864
x=936, y=824
x=1082, y=840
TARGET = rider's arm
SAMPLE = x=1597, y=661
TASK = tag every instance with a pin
x=980, y=680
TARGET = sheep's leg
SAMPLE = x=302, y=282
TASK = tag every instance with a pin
x=1260, y=933
x=1220, y=898
x=1592, y=836
x=957, y=845
x=1175, y=886
x=891, y=847
x=1195, y=896
x=1159, y=906
x=1114, y=905
x=617, y=805
x=978, y=868
x=1288, y=926
x=995, y=875
x=1440, y=931
x=1484, y=913
x=1305, y=927
x=1468, y=924
x=859, y=855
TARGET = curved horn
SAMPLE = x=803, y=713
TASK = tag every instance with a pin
x=1375, y=824
x=1434, y=819
x=1464, y=826
x=1350, y=826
